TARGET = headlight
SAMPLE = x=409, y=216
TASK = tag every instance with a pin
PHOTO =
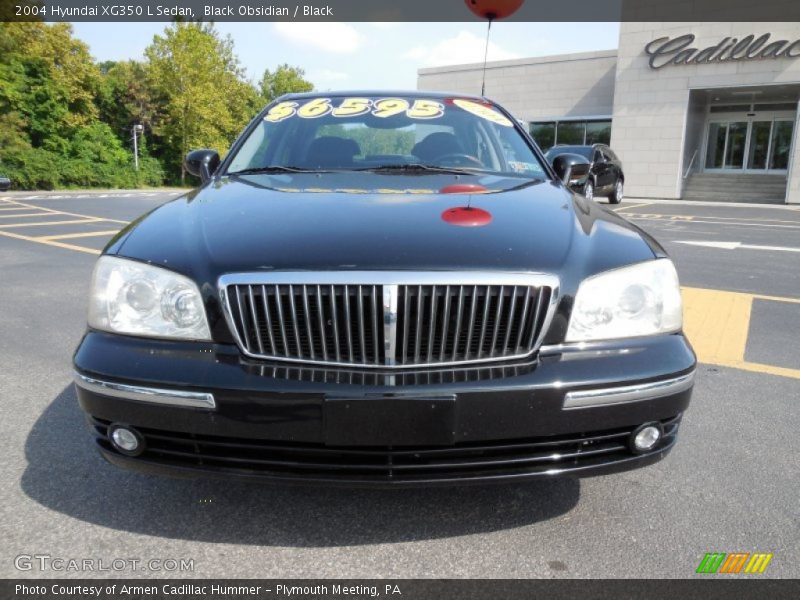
x=642, y=299
x=139, y=299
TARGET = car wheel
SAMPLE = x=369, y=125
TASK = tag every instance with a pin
x=588, y=190
x=616, y=195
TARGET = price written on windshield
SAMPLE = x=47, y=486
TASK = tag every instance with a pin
x=352, y=107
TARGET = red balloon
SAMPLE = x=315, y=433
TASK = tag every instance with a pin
x=493, y=9
x=463, y=188
x=466, y=216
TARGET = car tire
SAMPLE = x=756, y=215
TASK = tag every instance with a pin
x=616, y=196
x=588, y=190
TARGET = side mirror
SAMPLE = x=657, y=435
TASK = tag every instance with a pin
x=202, y=163
x=572, y=169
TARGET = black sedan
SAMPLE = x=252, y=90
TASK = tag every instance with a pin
x=5, y=184
x=605, y=175
x=384, y=289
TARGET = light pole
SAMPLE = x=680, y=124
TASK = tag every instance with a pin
x=137, y=128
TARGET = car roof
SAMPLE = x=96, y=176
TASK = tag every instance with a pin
x=385, y=94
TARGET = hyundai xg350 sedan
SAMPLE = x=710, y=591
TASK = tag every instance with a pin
x=384, y=289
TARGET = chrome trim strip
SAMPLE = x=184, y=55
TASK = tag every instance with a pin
x=524, y=318
x=372, y=278
x=389, y=278
x=255, y=320
x=459, y=315
x=445, y=322
x=615, y=345
x=335, y=320
x=628, y=393
x=498, y=314
x=321, y=315
x=309, y=332
x=376, y=322
x=390, y=324
x=347, y=324
x=268, y=316
x=361, y=336
x=145, y=394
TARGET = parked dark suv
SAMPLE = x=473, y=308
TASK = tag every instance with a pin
x=384, y=289
x=605, y=178
x=5, y=183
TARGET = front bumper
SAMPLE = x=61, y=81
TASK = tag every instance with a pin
x=202, y=409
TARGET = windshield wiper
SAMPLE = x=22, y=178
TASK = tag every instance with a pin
x=274, y=169
x=416, y=168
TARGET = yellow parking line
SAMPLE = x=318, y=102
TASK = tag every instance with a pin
x=768, y=369
x=27, y=238
x=715, y=217
x=717, y=324
x=15, y=216
x=70, y=214
x=755, y=219
x=10, y=208
x=776, y=298
x=67, y=236
x=42, y=224
x=622, y=208
x=740, y=222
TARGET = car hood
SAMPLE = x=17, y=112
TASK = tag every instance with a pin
x=361, y=221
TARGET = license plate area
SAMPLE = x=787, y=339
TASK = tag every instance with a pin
x=390, y=421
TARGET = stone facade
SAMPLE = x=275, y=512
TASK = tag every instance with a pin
x=652, y=110
x=536, y=88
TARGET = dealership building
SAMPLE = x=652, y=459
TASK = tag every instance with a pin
x=705, y=111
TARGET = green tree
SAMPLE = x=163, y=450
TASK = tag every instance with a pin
x=67, y=121
x=50, y=132
x=71, y=72
x=98, y=158
x=284, y=80
x=205, y=98
x=125, y=98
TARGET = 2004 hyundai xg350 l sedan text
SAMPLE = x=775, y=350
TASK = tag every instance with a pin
x=386, y=289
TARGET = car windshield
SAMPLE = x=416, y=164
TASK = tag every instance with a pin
x=408, y=134
x=584, y=151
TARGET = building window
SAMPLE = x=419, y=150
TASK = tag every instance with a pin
x=598, y=132
x=571, y=133
x=549, y=133
x=544, y=134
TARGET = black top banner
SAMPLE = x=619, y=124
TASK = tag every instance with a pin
x=398, y=10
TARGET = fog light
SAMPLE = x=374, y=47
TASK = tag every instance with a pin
x=126, y=439
x=645, y=437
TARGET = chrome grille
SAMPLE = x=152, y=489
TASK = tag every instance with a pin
x=380, y=319
x=317, y=323
x=458, y=323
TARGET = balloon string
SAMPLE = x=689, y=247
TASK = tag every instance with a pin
x=485, y=57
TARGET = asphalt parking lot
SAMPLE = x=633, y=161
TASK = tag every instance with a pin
x=730, y=485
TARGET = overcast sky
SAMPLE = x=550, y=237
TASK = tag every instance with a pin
x=365, y=55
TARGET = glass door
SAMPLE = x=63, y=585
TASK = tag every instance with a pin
x=737, y=140
x=760, y=144
x=780, y=144
x=726, y=145
x=760, y=136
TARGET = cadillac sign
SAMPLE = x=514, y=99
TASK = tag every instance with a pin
x=679, y=51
